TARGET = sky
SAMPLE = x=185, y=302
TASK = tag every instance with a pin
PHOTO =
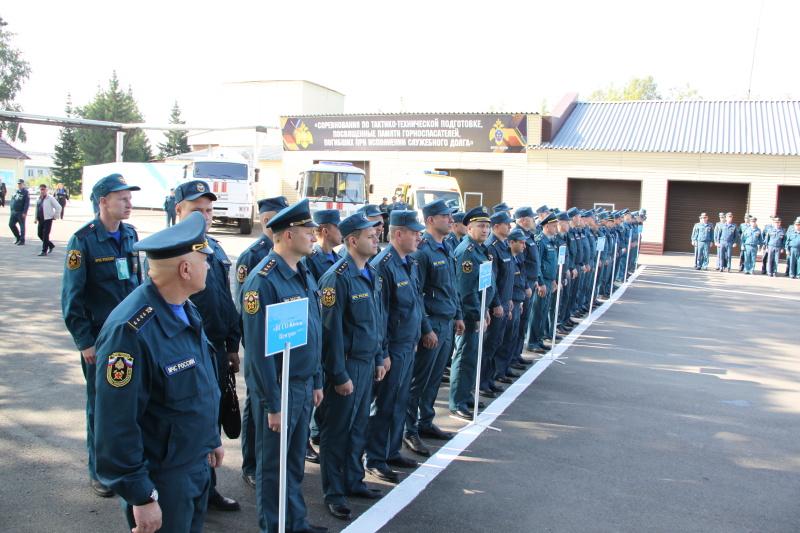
x=413, y=56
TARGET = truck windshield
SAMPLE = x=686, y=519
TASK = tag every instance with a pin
x=345, y=187
x=213, y=170
x=428, y=196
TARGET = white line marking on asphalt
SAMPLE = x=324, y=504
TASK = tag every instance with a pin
x=714, y=289
x=405, y=492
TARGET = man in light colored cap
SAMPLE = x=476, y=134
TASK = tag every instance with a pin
x=404, y=307
x=157, y=376
x=752, y=241
x=353, y=328
x=702, y=237
x=215, y=303
x=101, y=269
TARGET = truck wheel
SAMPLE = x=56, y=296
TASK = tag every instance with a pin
x=246, y=226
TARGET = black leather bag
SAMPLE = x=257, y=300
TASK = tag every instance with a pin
x=231, y=416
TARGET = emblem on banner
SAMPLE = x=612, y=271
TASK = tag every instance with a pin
x=251, y=304
x=302, y=136
x=119, y=369
x=328, y=296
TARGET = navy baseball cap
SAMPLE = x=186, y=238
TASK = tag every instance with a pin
x=502, y=206
x=563, y=216
x=186, y=236
x=293, y=217
x=500, y=217
x=476, y=214
x=356, y=222
x=573, y=211
x=542, y=210
x=437, y=207
x=370, y=210
x=192, y=190
x=517, y=235
x=327, y=216
x=458, y=217
x=523, y=212
x=401, y=217
x=20, y=180
x=111, y=183
x=279, y=203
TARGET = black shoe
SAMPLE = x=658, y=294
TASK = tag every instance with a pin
x=367, y=494
x=446, y=378
x=513, y=375
x=42, y=254
x=417, y=446
x=518, y=366
x=487, y=393
x=435, y=433
x=402, y=461
x=16, y=241
x=250, y=480
x=494, y=387
x=563, y=331
x=310, y=529
x=221, y=503
x=311, y=455
x=471, y=404
x=384, y=474
x=524, y=361
x=466, y=414
x=340, y=511
x=50, y=248
x=314, y=440
x=20, y=243
x=504, y=379
x=540, y=350
x=101, y=490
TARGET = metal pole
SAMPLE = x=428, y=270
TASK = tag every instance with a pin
x=614, y=268
x=481, y=324
x=594, y=285
x=120, y=146
x=283, y=434
x=627, y=259
x=558, y=302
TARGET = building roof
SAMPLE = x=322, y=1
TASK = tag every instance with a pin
x=689, y=126
x=265, y=153
x=9, y=152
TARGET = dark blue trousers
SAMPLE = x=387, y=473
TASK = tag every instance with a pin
x=429, y=365
x=463, y=367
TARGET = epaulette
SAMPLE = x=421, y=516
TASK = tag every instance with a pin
x=130, y=226
x=494, y=243
x=386, y=259
x=538, y=238
x=471, y=247
x=422, y=244
x=84, y=231
x=313, y=253
x=259, y=245
x=141, y=317
x=341, y=268
x=267, y=268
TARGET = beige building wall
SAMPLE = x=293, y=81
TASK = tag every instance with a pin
x=17, y=166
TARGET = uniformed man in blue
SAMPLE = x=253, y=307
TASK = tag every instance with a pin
x=752, y=242
x=401, y=297
x=246, y=263
x=774, y=245
x=501, y=305
x=459, y=229
x=101, y=269
x=743, y=226
x=157, y=429
x=169, y=207
x=221, y=321
x=20, y=202
x=469, y=255
x=353, y=328
x=525, y=220
x=793, y=249
x=374, y=214
x=323, y=256
x=441, y=320
x=717, y=233
x=726, y=241
x=702, y=236
x=280, y=277
x=507, y=354
x=547, y=284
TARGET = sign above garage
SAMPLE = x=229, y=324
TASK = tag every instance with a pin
x=428, y=132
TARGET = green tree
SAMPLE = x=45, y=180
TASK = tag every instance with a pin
x=68, y=161
x=177, y=140
x=13, y=72
x=113, y=105
x=634, y=89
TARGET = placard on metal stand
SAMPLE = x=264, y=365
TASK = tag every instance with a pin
x=562, y=258
x=614, y=268
x=627, y=259
x=286, y=328
x=601, y=246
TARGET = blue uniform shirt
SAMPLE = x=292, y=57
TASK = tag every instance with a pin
x=157, y=395
x=752, y=237
x=401, y=297
x=318, y=262
x=728, y=234
x=702, y=232
x=437, y=274
x=98, y=275
x=469, y=257
x=548, y=258
x=215, y=302
x=20, y=201
x=503, y=271
x=774, y=238
x=273, y=281
x=531, y=259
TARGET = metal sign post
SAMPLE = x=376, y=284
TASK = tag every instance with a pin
x=601, y=245
x=627, y=259
x=286, y=325
x=562, y=258
x=614, y=268
x=639, y=245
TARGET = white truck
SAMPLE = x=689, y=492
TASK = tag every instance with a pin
x=333, y=185
x=420, y=189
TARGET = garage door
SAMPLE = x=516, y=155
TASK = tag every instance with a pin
x=488, y=182
x=686, y=200
x=788, y=204
x=610, y=194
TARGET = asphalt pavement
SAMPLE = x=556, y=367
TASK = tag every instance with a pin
x=676, y=410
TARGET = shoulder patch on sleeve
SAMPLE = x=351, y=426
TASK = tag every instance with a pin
x=386, y=259
x=119, y=369
x=241, y=273
x=84, y=231
x=341, y=268
x=267, y=268
x=141, y=317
